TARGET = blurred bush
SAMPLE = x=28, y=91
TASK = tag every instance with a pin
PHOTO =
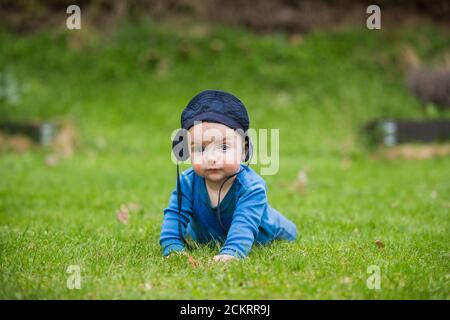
x=260, y=15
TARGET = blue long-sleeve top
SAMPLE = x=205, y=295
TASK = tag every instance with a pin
x=244, y=211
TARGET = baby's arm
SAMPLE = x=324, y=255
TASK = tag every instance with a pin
x=246, y=220
x=170, y=238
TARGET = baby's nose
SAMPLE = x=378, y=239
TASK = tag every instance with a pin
x=211, y=156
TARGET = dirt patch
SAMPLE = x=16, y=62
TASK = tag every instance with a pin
x=412, y=152
x=15, y=143
x=63, y=143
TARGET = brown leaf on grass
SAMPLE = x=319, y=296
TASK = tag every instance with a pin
x=302, y=181
x=379, y=244
x=123, y=214
x=193, y=262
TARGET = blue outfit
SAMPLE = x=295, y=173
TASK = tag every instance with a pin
x=245, y=214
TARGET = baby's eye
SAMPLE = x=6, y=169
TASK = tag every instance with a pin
x=225, y=147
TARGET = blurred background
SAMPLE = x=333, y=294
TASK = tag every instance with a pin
x=86, y=115
x=313, y=67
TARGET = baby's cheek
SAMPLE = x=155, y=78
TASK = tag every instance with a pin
x=196, y=160
x=231, y=168
x=197, y=168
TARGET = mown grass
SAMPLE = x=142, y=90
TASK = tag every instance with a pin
x=127, y=89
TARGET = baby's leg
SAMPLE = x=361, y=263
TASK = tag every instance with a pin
x=288, y=230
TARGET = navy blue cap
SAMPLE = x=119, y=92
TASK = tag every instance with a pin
x=215, y=106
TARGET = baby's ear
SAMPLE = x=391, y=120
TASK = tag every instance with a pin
x=244, y=152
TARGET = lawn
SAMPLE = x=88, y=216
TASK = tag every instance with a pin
x=125, y=89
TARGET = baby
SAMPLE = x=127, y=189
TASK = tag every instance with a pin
x=219, y=199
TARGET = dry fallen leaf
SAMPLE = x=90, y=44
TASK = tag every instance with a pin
x=193, y=262
x=379, y=244
x=302, y=181
x=122, y=214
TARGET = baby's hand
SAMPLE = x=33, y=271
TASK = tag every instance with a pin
x=223, y=258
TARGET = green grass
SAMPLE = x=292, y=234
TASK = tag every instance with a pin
x=318, y=93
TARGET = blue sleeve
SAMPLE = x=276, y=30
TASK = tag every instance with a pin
x=246, y=220
x=170, y=239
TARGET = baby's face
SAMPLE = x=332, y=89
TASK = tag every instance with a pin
x=216, y=150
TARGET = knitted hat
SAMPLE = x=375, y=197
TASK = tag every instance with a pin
x=215, y=106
